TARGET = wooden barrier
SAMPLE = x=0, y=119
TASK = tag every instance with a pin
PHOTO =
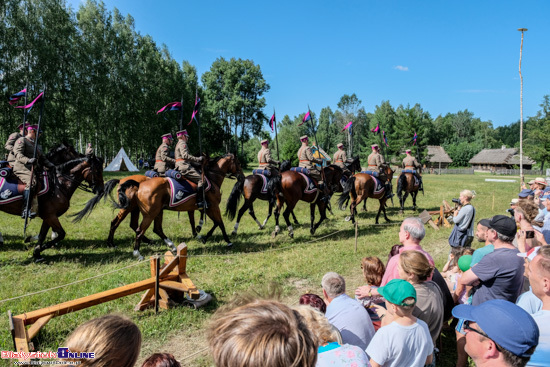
x=173, y=283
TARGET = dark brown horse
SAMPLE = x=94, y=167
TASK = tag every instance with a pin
x=153, y=196
x=293, y=186
x=360, y=187
x=67, y=177
x=407, y=184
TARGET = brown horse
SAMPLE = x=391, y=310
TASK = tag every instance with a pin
x=292, y=189
x=362, y=186
x=67, y=177
x=407, y=184
x=153, y=196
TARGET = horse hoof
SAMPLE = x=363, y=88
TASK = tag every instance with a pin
x=261, y=227
x=291, y=234
x=274, y=234
x=234, y=233
x=201, y=238
x=39, y=260
x=348, y=218
x=146, y=240
x=312, y=231
x=198, y=229
x=229, y=245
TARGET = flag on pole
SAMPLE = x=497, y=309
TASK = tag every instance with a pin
x=33, y=102
x=195, y=110
x=385, y=138
x=413, y=140
x=348, y=125
x=172, y=106
x=306, y=118
x=376, y=129
x=17, y=96
x=272, y=122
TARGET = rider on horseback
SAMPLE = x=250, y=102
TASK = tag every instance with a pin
x=265, y=160
x=376, y=166
x=340, y=159
x=163, y=161
x=307, y=160
x=89, y=151
x=23, y=151
x=410, y=163
x=183, y=159
x=11, y=142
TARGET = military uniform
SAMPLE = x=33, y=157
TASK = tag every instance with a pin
x=266, y=162
x=9, y=146
x=307, y=160
x=340, y=159
x=163, y=161
x=376, y=164
x=410, y=163
x=183, y=157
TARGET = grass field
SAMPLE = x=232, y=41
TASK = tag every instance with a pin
x=255, y=260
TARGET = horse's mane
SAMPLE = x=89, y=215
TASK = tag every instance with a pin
x=338, y=168
x=58, y=147
x=67, y=166
x=213, y=163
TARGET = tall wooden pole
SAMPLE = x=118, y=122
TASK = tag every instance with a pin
x=276, y=138
x=521, y=111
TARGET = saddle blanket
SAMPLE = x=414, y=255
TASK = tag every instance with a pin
x=182, y=190
x=413, y=171
x=416, y=180
x=264, y=172
x=151, y=174
x=372, y=173
x=300, y=170
x=265, y=180
x=12, y=190
x=378, y=186
x=310, y=185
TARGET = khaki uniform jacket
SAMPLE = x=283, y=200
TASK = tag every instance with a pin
x=183, y=157
x=305, y=155
x=265, y=161
x=375, y=161
x=23, y=151
x=163, y=161
x=410, y=162
x=340, y=159
x=9, y=146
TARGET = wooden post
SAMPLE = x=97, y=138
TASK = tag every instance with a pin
x=157, y=270
x=356, y=225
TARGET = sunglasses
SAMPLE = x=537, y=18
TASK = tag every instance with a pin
x=469, y=328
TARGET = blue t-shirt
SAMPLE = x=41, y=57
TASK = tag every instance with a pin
x=541, y=357
x=501, y=276
x=480, y=252
x=529, y=302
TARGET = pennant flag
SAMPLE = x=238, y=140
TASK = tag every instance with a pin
x=195, y=110
x=17, y=96
x=306, y=118
x=413, y=140
x=33, y=102
x=347, y=126
x=172, y=106
x=376, y=129
x=272, y=122
x=385, y=138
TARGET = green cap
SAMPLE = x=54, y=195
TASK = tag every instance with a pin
x=464, y=262
x=397, y=290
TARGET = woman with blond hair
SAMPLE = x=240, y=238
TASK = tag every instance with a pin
x=463, y=217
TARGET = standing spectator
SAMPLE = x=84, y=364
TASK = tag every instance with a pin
x=525, y=214
x=464, y=218
x=539, y=276
x=528, y=301
x=500, y=273
x=405, y=340
x=373, y=271
x=140, y=163
x=348, y=315
x=498, y=333
x=481, y=235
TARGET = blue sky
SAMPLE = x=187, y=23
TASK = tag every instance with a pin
x=447, y=56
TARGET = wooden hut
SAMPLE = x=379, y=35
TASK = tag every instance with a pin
x=437, y=158
x=495, y=159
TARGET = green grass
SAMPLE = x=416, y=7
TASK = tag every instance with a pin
x=255, y=260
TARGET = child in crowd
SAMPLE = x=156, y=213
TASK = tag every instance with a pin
x=451, y=271
x=161, y=360
x=461, y=292
x=373, y=271
x=406, y=340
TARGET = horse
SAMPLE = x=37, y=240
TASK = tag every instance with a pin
x=361, y=186
x=153, y=196
x=407, y=184
x=251, y=189
x=294, y=187
x=66, y=178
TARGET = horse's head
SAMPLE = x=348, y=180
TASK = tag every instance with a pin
x=230, y=165
x=389, y=172
x=93, y=173
x=285, y=166
x=355, y=165
x=62, y=153
x=333, y=174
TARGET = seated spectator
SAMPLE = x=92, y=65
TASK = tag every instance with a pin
x=314, y=301
x=348, y=315
x=260, y=333
x=527, y=300
x=115, y=340
x=331, y=352
x=539, y=276
x=499, y=273
x=373, y=271
x=405, y=340
x=464, y=218
x=414, y=268
x=498, y=333
x=161, y=360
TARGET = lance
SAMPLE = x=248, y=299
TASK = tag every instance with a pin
x=34, y=156
x=276, y=138
x=181, y=114
x=197, y=119
x=316, y=142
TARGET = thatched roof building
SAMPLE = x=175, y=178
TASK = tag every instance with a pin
x=493, y=159
x=437, y=157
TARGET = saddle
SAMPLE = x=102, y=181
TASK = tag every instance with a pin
x=183, y=190
x=265, y=175
x=11, y=188
x=378, y=184
x=311, y=186
x=151, y=174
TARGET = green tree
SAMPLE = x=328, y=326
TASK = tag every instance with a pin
x=537, y=142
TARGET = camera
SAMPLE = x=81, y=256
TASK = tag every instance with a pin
x=456, y=201
x=511, y=211
x=529, y=234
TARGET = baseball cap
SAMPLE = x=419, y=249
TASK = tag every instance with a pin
x=530, y=255
x=525, y=193
x=514, y=201
x=397, y=290
x=531, y=182
x=503, y=225
x=485, y=222
x=464, y=262
x=505, y=323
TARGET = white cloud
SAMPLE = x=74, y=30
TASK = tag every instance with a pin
x=401, y=68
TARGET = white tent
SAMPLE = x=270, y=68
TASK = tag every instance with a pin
x=121, y=163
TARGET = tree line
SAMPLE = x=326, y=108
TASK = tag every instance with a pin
x=105, y=81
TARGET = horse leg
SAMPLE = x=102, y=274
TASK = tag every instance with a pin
x=1, y=239
x=134, y=223
x=365, y=205
x=201, y=222
x=53, y=223
x=286, y=215
x=269, y=212
x=382, y=208
x=323, y=216
x=253, y=215
x=140, y=232
x=294, y=218
x=312, y=218
x=215, y=214
x=191, y=215
x=413, y=194
x=157, y=229
x=245, y=206
x=277, y=214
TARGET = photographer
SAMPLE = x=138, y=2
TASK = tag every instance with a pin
x=463, y=217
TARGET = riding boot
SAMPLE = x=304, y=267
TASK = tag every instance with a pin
x=389, y=194
x=33, y=211
x=201, y=202
x=25, y=200
x=324, y=192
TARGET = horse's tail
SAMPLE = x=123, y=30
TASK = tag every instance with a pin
x=91, y=204
x=348, y=187
x=234, y=198
x=274, y=187
x=123, y=200
x=285, y=166
x=401, y=184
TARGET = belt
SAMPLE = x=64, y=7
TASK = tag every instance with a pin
x=304, y=160
x=339, y=161
x=409, y=167
x=264, y=164
x=180, y=160
x=372, y=166
x=158, y=161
